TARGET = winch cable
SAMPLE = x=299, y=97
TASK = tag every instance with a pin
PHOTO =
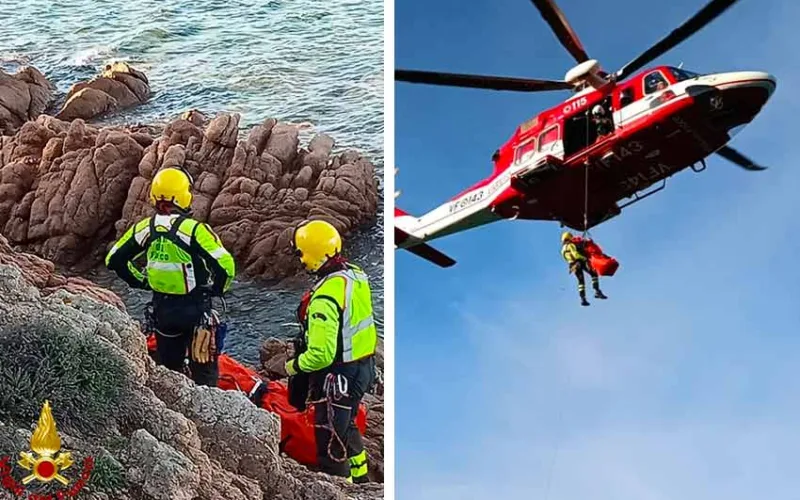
x=586, y=182
x=586, y=199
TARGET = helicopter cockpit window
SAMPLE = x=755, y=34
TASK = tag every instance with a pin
x=547, y=138
x=654, y=81
x=524, y=150
x=625, y=97
x=682, y=74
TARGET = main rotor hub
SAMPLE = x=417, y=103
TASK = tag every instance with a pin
x=585, y=72
x=582, y=70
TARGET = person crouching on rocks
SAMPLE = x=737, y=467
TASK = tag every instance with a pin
x=338, y=348
x=186, y=266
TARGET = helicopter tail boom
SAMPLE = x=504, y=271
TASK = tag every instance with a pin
x=417, y=246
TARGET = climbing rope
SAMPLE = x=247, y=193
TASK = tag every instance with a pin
x=331, y=395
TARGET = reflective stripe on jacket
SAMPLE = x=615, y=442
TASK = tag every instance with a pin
x=570, y=252
x=340, y=326
x=181, y=254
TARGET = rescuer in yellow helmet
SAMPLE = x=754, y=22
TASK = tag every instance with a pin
x=578, y=264
x=337, y=348
x=186, y=265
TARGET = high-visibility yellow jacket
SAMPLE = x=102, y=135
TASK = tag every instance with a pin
x=339, y=323
x=182, y=254
x=569, y=251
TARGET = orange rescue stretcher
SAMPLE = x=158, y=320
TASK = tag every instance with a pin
x=603, y=264
x=298, y=439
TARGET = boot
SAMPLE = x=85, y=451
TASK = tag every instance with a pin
x=598, y=294
x=584, y=302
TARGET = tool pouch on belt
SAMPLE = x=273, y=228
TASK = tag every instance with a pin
x=221, y=332
x=203, y=345
x=204, y=340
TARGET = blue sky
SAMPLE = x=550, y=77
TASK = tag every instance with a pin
x=686, y=382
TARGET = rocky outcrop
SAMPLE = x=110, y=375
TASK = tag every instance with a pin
x=153, y=433
x=273, y=355
x=23, y=96
x=118, y=87
x=67, y=188
x=40, y=273
x=254, y=191
x=63, y=185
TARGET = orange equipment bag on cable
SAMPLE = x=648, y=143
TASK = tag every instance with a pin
x=298, y=439
x=603, y=264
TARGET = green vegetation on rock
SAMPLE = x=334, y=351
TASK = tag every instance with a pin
x=82, y=378
x=108, y=474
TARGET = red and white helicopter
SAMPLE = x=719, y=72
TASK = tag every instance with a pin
x=615, y=138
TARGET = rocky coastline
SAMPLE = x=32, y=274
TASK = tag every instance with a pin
x=69, y=188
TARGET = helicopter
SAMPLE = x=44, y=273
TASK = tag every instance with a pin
x=613, y=143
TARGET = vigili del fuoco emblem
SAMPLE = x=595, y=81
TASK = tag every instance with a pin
x=45, y=461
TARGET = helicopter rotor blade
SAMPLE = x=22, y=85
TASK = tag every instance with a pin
x=563, y=31
x=479, y=81
x=691, y=26
x=739, y=159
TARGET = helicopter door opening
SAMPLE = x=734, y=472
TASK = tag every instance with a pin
x=584, y=129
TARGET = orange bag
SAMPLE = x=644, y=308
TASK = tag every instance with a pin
x=603, y=264
x=298, y=439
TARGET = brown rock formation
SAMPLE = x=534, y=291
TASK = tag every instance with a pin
x=23, y=96
x=118, y=87
x=65, y=187
x=253, y=192
x=41, y=274
x=273, y=355
x=168, y=437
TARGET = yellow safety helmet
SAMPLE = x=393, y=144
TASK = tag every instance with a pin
x=315, y=242
x=172, y=184
x=566, y=235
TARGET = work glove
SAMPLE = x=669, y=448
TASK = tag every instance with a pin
x=290, y=367
x=203, y=345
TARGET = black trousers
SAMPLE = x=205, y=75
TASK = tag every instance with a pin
x=582, y=266
x=175, y=321
x=331, y=454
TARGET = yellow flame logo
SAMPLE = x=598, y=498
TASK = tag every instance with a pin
x=46, y=443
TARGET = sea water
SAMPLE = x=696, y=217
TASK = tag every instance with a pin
x=302, y=61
